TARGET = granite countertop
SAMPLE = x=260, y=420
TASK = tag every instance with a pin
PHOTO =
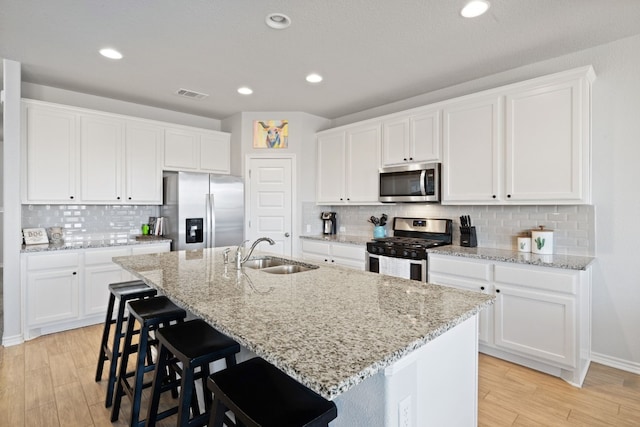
x=92, y=242
x=570, y=262
x=329, y=328
x=339, y=238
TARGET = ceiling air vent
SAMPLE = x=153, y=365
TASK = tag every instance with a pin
x=191, y=94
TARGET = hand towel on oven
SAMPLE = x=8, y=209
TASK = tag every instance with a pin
x=396, y=267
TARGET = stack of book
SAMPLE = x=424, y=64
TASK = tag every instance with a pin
x=156, y=226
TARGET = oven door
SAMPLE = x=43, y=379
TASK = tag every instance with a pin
x=413, y=269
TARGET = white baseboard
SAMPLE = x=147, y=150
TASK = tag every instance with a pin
x=614, y=362
x=13, y=340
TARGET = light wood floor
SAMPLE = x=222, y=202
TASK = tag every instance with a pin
x=49, y=382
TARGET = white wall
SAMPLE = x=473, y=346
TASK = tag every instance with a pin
x=77, y=99
x=302, y=143
x=616, y=153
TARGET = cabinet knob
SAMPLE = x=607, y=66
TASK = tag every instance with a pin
x=74, y=273
x=118, y=197
x=410, y=158
x=508, y=196
x=494, y=196
x=482, y=288
x=333, y=260
x=497, y=291
x=129, y=198
x=71, y=197
x=326, y=260
x=286, y=234
x=341, y=199
x=405, y=159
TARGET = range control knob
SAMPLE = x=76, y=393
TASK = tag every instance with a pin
x=414, y=254
x=381, y=250
x=392, y=252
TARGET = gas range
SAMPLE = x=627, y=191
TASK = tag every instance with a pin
x=412, y=237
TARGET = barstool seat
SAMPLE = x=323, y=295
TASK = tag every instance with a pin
x=259, y=394
x=151, y=314
x=195, y=345
x=123, y=292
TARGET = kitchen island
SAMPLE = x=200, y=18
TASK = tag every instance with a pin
x=386, y=350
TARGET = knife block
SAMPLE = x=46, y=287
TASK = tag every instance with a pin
x=468, y=237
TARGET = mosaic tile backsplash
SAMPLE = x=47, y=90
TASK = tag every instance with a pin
x=496, y=226
x=82, y=221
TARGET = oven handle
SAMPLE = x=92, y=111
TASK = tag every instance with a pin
x=423, y=182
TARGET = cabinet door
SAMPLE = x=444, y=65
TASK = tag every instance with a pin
x=426, y=138
x=535, y=323
x=471, y=151
x=363, y=164
x=351, y=256
x=331, y=168
x=215, y=153
x=101, y=141
x=99, y=272
x=545, y=144
x=51, y=155
x=143, y=168
x=396, y=141
x=181, y=150
x=52, y=296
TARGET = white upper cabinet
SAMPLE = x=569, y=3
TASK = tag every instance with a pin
x=101, y=146
x=143, y=160
x=411, y=138
x=75, y=155
x=471, y=150
x=348, y=165
x=547, y=142
x=50, y=153
x=197, y=151
x=528, y=143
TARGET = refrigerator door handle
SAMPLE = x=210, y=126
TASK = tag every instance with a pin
x=212, y=217
x=207, y=221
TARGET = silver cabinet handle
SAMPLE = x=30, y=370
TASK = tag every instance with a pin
x=286, y=234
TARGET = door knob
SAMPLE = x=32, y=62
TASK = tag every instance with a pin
x=286, y=234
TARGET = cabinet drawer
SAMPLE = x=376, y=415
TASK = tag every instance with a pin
x=478, y=270
x=103, y=256
x=319, y=248
x=556, y=280
x=150, y=249
x=55, y=260
x=348, y=251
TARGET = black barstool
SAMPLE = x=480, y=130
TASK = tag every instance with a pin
x=152, y=313
x=194, y=344
x=259, y=394
x=124, y=292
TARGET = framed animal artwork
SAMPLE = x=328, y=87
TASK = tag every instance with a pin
x=270, y=133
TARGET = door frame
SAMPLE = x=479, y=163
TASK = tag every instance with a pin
x=295, y=211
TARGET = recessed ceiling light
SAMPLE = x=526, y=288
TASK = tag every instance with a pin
x=110, y=53
x=245, y=90
x=474, y=8
x=314, y=78
x=278, y=21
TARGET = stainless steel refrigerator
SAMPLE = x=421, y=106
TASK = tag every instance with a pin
x=202, y=210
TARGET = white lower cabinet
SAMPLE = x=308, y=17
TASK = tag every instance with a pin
x=69, y=289
x=541, y=317
x=343, y=254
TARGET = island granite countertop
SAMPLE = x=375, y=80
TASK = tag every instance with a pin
x=570, y=262
x=330, y=328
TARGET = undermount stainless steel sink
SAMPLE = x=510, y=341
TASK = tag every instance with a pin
x=278, y=265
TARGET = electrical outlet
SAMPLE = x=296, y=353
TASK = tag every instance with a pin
x=308, y=228
x=343, y=229
x=404, y=412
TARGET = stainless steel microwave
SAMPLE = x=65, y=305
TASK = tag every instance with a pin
x=418, y=182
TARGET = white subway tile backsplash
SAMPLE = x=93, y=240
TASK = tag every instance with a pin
x=99, y=221
x=496, y=226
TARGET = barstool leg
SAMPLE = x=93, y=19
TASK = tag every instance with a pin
x=186, y=389
x=102, y=357
x=117, y=335
x=139, y=376
x=122, y=375
x=159, y=377
x=217, y=413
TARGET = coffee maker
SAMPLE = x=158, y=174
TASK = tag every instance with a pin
x=328, y=222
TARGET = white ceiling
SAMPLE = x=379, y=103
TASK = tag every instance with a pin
x=370, y=52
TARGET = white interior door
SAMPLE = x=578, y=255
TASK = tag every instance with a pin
x=270, y=203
